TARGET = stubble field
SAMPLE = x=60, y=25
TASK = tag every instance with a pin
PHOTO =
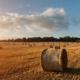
x=22, y=61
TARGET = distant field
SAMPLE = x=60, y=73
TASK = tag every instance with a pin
x=21, y=61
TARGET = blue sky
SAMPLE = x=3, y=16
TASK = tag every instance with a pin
x=31, y=18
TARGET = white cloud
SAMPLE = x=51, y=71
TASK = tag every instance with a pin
x=52, y=19
x=54, y=12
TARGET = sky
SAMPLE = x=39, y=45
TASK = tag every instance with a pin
x=39, y=18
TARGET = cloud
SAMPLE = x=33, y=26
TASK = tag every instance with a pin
x=50, y=20
x=54, y=12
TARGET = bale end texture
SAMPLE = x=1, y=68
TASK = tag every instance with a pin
x=55, y=61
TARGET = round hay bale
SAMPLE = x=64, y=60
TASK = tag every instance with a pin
x=54, y=60
x=57, y=47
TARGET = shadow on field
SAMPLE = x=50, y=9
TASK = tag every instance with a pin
x=68, y=71
x=72, y=70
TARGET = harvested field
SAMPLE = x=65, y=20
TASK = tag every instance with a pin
x=22, y=61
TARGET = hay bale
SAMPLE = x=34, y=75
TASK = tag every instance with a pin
x=52, y=60
x=57, y=47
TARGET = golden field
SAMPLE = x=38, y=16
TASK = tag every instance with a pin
x=22, y=61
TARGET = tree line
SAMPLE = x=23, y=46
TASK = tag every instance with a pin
x=45, y=39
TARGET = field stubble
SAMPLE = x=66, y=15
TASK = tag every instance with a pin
x=19, y=61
